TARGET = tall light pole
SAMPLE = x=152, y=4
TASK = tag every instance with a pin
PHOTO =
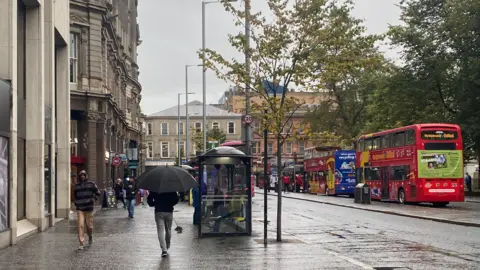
x=247, y=83
x=204, y=75
x=187, y=145
x=179, y=152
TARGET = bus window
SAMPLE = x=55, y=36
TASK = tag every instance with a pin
x=399, y=139
x=399, y=173
x=360, y=146
x=368, y=144
x=410, y=137
x=376, y=143
x=386, y=141
x=372, y=174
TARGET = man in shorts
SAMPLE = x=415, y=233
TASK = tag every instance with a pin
x=85, y=193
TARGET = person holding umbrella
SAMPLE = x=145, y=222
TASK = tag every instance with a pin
x=163, y=183
x=131, y=194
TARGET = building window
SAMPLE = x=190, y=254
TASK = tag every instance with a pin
x=288, y=147
x=180, y=128
x=255, y=146
x=231, y=128
x=270, y=148
x=73, y=57
x=301, y=147
x=215, y=125
x=164, y=128
x=149, y=129
x=198, y=127
x=150, y=150
x=165, y=150
x=182, y=150
x=73, y=138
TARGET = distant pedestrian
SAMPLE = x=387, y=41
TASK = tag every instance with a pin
x=131, y=194
x=145, y=198
x=85, y=193
x=286, y=183
x=163, y=203
x=468, y=182
x=119, y=192
x=298, y=182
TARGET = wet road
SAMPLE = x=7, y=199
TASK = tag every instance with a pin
x=317, y=236
x=380, y=240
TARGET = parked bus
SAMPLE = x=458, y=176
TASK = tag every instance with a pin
x=417, y=163
x=239, y=145
x=330, y=171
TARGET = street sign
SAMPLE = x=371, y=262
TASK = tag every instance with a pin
x=248, y=119
x=116, y=161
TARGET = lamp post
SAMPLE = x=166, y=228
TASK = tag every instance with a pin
x=187, y=145
x=204, y=75
x=179, y=153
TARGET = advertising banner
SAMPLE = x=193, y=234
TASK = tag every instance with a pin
x=440, y=163
x=345, y=167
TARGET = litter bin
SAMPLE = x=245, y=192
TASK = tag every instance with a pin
x=362, y=194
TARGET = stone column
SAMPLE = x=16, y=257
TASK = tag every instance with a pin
x=35, y=115
x=92, y=160
x=63, y=134
x=102, y=182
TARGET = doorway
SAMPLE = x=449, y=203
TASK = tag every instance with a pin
x=385, y=182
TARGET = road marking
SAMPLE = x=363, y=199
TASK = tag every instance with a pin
x=350, y=260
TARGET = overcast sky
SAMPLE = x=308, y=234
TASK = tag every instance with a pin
x=171, y=35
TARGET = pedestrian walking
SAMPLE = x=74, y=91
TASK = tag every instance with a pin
x=119, y=192
x=85, y=194
x=131, y=193
x=145, y=198
x=163, y=203
x=468, y=181
x=286, y=182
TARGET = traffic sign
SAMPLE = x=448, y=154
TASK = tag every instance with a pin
x=248, y=119
x=116, y=161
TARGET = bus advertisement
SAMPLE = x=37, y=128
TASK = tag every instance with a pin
x=417, y=163
x=330, y=171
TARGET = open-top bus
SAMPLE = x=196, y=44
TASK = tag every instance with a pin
x=417, y=163
x=330, y=171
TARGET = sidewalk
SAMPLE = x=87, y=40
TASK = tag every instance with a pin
x=123, y=243
x=467, y=214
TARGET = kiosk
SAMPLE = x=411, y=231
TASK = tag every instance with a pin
x=226, y=197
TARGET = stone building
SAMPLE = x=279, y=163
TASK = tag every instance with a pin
x=161, y=136
x=105, y=92
x=34, y=122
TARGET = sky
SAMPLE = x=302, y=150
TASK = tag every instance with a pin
x=171, y=34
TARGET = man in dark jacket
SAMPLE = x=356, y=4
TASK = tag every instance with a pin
x=119, y=192
x=130, y=195
x=163, y=203
x=85, y=193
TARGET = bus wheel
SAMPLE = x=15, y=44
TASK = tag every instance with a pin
x=401, y=196
x=440, y=204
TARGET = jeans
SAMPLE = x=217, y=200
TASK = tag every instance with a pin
x=164, y=228
x=131, y=207
x=83, y=216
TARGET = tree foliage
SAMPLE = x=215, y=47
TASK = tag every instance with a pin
x=213, y=134
x=439, y=80
x=346, y=66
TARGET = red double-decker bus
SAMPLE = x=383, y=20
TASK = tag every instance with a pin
x=417, y=163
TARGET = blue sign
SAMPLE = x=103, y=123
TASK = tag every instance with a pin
x=345, y=171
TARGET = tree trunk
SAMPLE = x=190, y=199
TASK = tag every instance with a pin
x=280, y=187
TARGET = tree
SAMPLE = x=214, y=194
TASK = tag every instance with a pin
x=213, y=134
x=346, y=66
x=440, y=77
x=278, y=56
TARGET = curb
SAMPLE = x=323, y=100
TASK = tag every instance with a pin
x=440, y=220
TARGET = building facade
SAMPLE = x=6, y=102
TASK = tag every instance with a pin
x=162, y=130
x=34, y=122
x=105, y=92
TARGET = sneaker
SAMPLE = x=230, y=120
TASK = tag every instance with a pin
x=164, y=254
x=90, y=240
x=80, y=247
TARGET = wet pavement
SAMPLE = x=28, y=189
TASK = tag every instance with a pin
x=316, y=236
x=464, y=213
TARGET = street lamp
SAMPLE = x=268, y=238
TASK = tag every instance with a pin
x=204, y=76
x=179, y=153
x=187, y=146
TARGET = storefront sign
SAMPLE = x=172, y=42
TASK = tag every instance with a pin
x=440, y=164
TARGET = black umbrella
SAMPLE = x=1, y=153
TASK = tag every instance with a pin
x=165, y=179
